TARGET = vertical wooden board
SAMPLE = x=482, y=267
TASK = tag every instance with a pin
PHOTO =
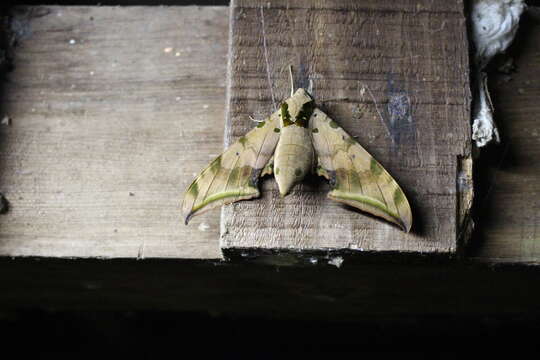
x=107, y=107
x=394, y=74
x=509, y=196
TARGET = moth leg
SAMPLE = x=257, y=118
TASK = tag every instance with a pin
x=317, y=168
x=269, y=168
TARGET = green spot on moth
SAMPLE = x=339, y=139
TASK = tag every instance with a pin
x=375, y=167
x=277, y=171
x=194, y=190
x=243, y=140
x=302, y=118
x=333, y=124
x=285, y=116
x=233, y=175
x=315, y=130
x=354, y=181
x=398, y=196
x=215, y=165
x=261, y=124
x=350, y=141
x=276, y=130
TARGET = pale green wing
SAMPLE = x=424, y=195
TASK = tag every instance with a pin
x=234, y=175
x=356, y=177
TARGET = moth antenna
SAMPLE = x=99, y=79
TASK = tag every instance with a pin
x=291, y=79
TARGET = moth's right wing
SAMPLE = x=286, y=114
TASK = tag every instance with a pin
x=357, y=179
x=234, y=174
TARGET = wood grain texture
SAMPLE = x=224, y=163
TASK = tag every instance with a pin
x=72, y=155
x=395, y=75
x=508, y=204
x=112, y=112
x=68, y=165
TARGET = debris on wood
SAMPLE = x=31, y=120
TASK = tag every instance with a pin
x=336, y=261
x=6, y=120
x=494, y=26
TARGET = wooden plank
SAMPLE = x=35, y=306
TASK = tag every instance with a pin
x=41, y=155
x=508, y=206
x=62, y=183
x=112, y=112
x=395, y=74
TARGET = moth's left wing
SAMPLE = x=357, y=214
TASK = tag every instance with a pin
x=357, y=178
x=234, y=174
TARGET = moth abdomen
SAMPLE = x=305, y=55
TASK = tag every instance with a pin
x=293, y=158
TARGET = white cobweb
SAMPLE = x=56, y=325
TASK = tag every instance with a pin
x=494, y=26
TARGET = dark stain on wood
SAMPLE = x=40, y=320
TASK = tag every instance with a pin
x=400, y=120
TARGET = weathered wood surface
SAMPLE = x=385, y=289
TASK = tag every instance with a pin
x=112, y=112
x=68, y=178
x=508, y=202
x=395, y=75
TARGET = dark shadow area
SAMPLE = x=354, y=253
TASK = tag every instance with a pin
x=183, y=335
x=506, y=156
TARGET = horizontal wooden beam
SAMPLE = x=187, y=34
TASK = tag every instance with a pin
x=112, y=112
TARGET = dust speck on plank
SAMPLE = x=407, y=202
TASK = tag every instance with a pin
x=140, y=253
x=167, y=50
x=203, y=226
x=6, y=120
x=205, y=106
x=336, y=261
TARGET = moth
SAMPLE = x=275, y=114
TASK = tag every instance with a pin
x=294, y=141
